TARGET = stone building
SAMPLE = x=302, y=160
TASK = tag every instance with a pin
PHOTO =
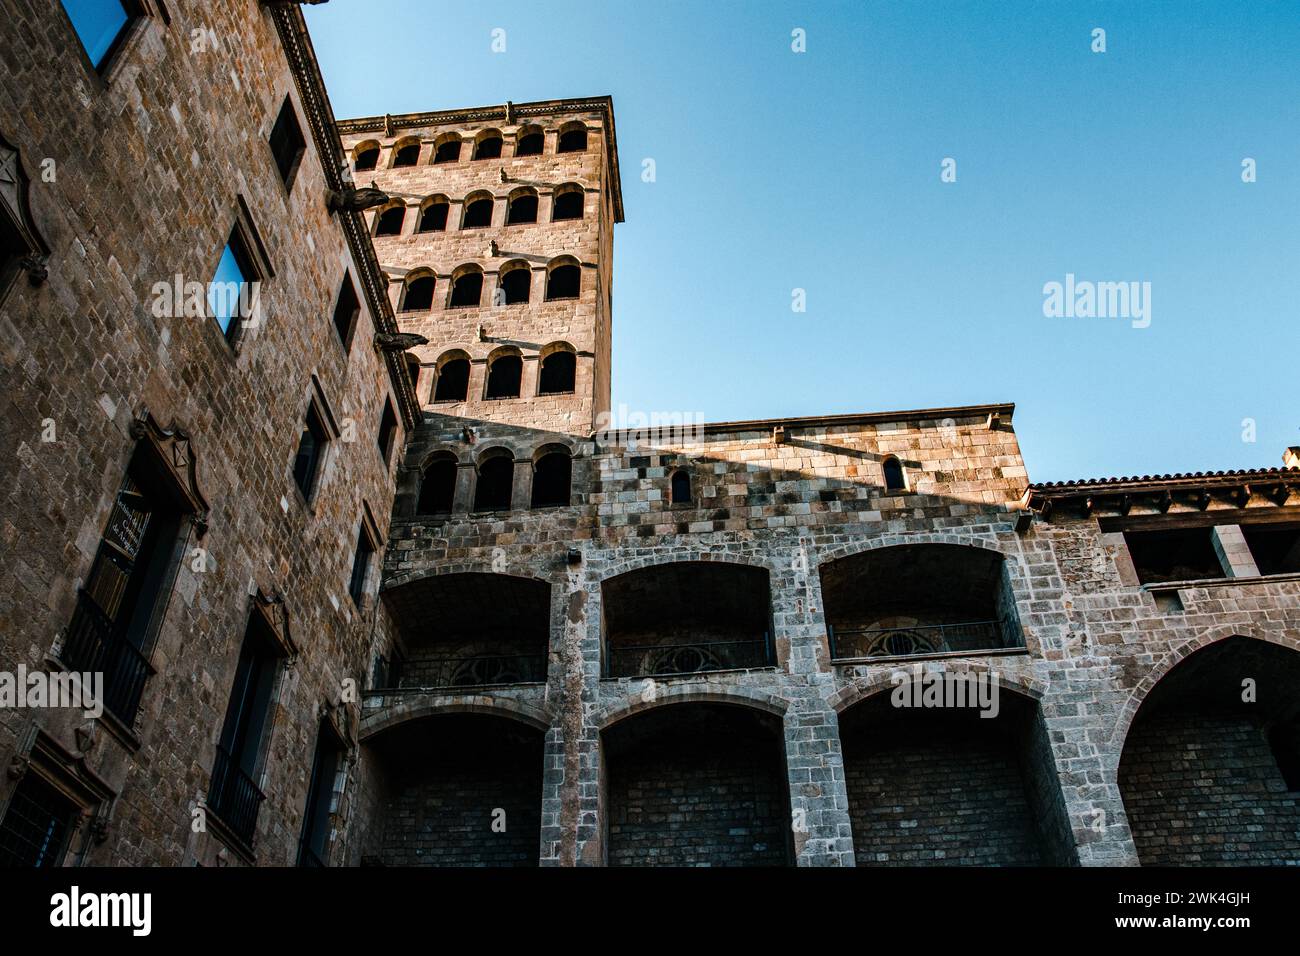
x=671, y=642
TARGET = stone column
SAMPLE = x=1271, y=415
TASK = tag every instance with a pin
x=1234, y=554
x=464, y=500
x=521, y=492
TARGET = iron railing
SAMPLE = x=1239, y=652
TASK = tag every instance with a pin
x=460, y=671
x=853, y=643
x=667, y=660
x=234, y=797
x=94, y=645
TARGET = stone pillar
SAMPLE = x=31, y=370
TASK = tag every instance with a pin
x=528, y=378
x=521, y=492
x=464, y=500
x=1234, y=554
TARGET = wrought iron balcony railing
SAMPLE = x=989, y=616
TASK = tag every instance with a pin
x=461, y=671
x=667, y=660
x=94, y=645
x=855, y=643
x=234, y=797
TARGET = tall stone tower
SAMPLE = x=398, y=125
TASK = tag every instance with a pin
x=498, y=241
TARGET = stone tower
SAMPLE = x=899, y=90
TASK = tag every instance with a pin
x=498, y=240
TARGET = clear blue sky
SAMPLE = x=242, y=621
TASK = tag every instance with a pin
x=821, y=171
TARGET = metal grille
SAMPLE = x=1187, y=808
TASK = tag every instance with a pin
x=655, y=660
x=36, y=827
x=234, y=797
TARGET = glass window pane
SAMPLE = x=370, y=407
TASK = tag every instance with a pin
x=226, y=288
x=98, y=24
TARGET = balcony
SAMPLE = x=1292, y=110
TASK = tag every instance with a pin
x=850, y=643
x=93, y=645
x=234, y=797
x=484, y=670
x=669, y=660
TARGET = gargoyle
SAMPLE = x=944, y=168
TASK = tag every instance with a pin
x=351, y=199
x=399, y=341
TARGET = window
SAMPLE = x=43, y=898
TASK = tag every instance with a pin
x=530, y=142
x=438, y=487
x=387, y=431
x=447, y=152
x=360, y=566
x=1174, y=555
x=434, y=216
x=680, y=487
x=515, y=285
x=419, y=294
x=453, y=381
x=496, y=473
x=232, y=293
x=233, y=795
x=467, y=290
x=101, y=26
x=367, y=157
x=390, y=221
x=313, y=845
x=37, y=825
x=557, y=373
x=406, y=155
x=573, y=140
x=523, y=209
x=478, y=213
x=1284, y=741
x=504, y=374
x=347, y=308
x=563, y=282
x=552, y=480
x=488, y=146
x=894, y=478
x=287, y=144
x=311, y=449
x=568, y=205
x=1276, y=549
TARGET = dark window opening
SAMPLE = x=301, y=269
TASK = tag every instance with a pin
x=568, y=206
x=1178, y=555
x=515, y=286
x=311, y=449
x=347, y=308
x=573, y=141
x=36, y=826
x=367, y=158
x=313, y=845
x=478, y=214
x=453, y=381
x=504, y=376
x=467, y=291
x=894, y=478
x=496, y=478
x=230, y=294
x=523, y=209
x=1284, y=741
x=419, y=295
x=552, y=480
x=360, y=567
x=390, y=221
x=408, y=155
x=448, y=152
x=563, y=282
x=387, y=431
x=413, y=371
x=530, y=144
x=287, y=143
x=1275, y=550
x=101, y=26
x=681, y=488
x=488, y=148
x=434, y=217
x=557, y=374
x=438, y=488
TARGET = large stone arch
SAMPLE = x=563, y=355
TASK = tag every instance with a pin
x=637, y=562
x=395, y=714
x=987, y=541
x=666, y=695
x=879, y=682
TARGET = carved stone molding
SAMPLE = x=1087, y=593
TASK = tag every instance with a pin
x=14, y=206
x=171, y=448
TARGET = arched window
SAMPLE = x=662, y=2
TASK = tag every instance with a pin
x=573, y=139
x=523, y=207
x=505, y=371
x=567, y=203
x=365, y=156
x=407, y=153
x=438, y=486
x=478, y=211
x=514, y=282
x=680, y=488
x=557, y=374
x=496, y=479
x=488, y=145
x=552, y=478
x=389, y=222
x=467, y=289
x=413, y=371
x=447, y=151
x=433, y=218
x=530, y=141
x=418, y=295
x=452, y=382
x=563, y=282
x=894, y=478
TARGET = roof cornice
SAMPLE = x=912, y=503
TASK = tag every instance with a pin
x=1196, y=488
